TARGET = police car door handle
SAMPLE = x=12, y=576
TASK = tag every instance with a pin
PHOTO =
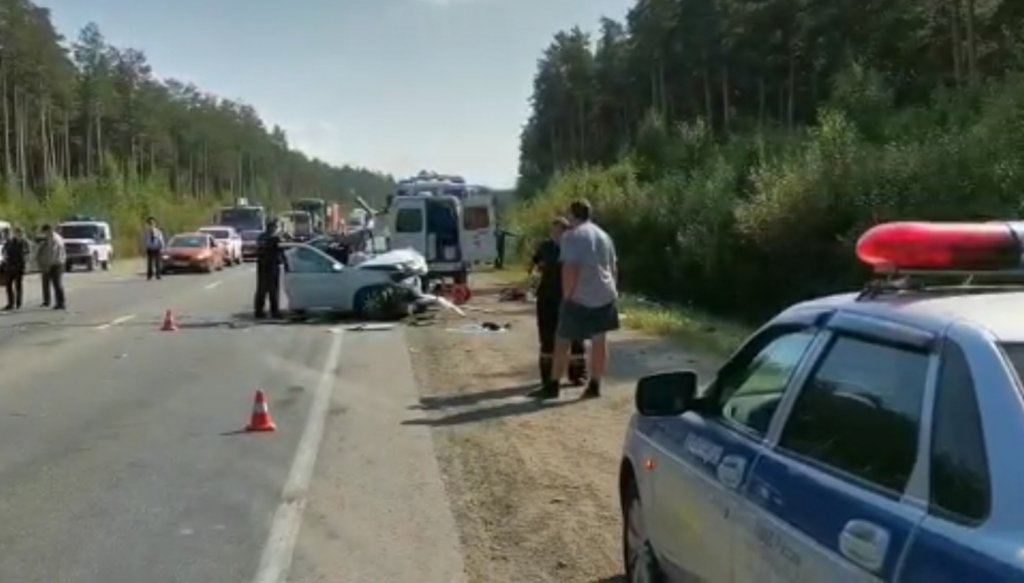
x=865, y=544
x=730, y=470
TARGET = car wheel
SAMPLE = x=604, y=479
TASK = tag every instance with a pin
x=641, y=564
x=299, y=315
x=379, y=303
x=91, y=265
x=208, y=267
x=69, y=267
x=105, y=264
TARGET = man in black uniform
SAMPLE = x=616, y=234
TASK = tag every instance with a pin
x=15, y=254
x=549, y=299
x=269, y=261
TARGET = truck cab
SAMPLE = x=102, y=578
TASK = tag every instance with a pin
x=88, y=242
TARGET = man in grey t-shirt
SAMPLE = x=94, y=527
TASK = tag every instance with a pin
x=589, y=298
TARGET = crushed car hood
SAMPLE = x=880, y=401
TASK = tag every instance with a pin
x=399, y=259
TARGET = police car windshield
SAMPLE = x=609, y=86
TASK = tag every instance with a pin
x=79, y=231
x=187, y=241
x=1015, y=353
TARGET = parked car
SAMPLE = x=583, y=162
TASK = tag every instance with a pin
x=229, y=240
x=384, y=287
x=88, y=242
x=193, y=252
x=871, y=436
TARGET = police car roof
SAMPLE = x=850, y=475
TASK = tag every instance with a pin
x=999, y=312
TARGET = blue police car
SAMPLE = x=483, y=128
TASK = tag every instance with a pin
x=876, y=436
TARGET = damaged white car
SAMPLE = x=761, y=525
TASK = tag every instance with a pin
x=384, y=287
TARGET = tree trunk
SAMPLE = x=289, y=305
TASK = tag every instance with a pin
x=972, y=46
x=791, y=110
x=19, y=140
x=709, y=105
x=726, y=114
x=67, y=143
x=954, y=30
x=7, y=123
x=99, y=144
x=762, y=100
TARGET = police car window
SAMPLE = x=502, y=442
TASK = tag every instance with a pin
x=750, y=393
x=860, y=411
x=409, y=221
x=960, y=485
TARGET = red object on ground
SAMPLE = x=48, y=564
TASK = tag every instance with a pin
x=940, y=246
x=460, y=294
x=169, y=324
x=260, y=420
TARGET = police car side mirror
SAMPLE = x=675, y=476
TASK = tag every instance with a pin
x=336, y=267
x=667, y=394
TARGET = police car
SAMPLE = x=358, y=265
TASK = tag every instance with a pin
x=876, y=436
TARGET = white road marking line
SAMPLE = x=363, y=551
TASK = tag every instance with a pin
x=213, y=285
x=116, y=322
x=284, y=529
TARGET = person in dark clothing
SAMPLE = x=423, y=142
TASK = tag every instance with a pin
x=15, y=254
x=270, y=259
x=549, y=300
x=500, y=239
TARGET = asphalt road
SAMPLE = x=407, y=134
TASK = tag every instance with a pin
x=122, y=459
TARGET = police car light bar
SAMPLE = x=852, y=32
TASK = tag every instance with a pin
x=942, y=247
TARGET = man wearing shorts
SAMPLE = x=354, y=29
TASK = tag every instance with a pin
x=590, y=294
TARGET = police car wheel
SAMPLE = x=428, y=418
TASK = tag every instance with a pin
x=641, y=565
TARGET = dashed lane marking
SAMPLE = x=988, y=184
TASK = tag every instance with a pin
x=116, y=322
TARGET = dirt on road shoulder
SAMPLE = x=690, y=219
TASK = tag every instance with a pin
x=533, y=487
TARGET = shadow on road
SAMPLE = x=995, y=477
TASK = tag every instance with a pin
x=524, y=406
x=464, y=400
x=615, y=579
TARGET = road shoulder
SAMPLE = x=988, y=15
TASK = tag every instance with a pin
x=377, y=508
x=533, y=488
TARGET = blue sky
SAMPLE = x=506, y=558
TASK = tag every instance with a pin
x=393, y=85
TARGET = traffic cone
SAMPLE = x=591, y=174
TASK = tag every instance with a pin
x=260, y=420
x=169, y=323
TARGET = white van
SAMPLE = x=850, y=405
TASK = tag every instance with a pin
x=479, y=239
x=431, y=225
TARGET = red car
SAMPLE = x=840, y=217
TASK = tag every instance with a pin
x=193, y=252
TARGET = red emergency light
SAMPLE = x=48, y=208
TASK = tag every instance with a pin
x=925, y=246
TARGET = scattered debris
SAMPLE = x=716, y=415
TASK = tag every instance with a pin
x=370, y=327
x=513, y=294
x=482, y=328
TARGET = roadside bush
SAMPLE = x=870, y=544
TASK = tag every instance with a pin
x=125, y=204
x=754, y=223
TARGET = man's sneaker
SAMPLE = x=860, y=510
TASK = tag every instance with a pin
x=548, y=391
x=593, y=390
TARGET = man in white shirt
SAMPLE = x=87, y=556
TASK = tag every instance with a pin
x=153, y=244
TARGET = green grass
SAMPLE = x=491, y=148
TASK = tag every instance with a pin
x=692, y=329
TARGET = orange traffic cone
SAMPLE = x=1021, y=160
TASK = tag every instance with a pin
x=169, y=323
x=260, y=420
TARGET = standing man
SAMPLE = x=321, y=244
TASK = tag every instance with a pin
x=51, y=257
x=269, y=261
x=153, y=244
x=15, y=254
x=589, y=298
x=501, y=236
x=549, y=299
